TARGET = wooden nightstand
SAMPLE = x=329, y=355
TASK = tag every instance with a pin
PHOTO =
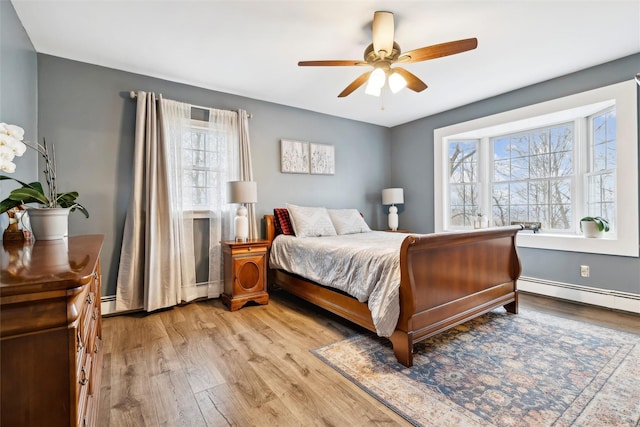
x=245, y=273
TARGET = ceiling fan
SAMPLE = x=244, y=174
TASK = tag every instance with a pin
x=385, y=52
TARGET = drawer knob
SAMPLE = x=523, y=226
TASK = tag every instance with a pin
x=79, y=337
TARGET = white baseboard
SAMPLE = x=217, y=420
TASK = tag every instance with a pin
x=108, y=305
x=617, y=300
x=108, y=302
x=624, y=301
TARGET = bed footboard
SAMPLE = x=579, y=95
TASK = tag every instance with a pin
x=449, y=278
x=446, y=279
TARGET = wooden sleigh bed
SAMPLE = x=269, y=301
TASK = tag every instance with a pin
x=445, y=279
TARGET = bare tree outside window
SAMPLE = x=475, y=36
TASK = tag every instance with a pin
x=463, y=182
x=532, y=173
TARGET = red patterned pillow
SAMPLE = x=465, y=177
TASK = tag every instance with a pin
x=283, y=222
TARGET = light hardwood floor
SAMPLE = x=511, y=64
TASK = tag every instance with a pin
x=201, y=365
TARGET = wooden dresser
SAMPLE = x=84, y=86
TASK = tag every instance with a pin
x=50, y=332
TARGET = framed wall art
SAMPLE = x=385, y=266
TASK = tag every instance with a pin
x=294, y=156
x=322, y=158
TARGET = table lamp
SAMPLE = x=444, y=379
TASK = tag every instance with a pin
x=242, y=192
x=393, y=196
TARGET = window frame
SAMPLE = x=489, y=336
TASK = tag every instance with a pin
x=624, y=95
x=199, y=211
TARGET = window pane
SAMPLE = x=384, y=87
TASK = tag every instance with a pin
x=537, y=157
x=463, y=179
x=501, y=170
x=519, y=146
x=204, y=168
x=501, y=148
x=601, y=190
x=540, y=166
x=519, y=168
x=518, y=194
x=562, y=163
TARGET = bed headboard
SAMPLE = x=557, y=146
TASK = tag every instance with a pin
x=269, y=227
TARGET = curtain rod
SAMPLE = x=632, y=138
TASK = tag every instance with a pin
x=133, y=95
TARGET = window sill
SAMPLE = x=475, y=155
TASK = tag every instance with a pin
x=609, y=245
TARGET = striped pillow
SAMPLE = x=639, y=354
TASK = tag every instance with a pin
x=282, y=222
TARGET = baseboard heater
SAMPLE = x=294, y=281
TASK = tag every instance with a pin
x=108, y=302
x=617, y=300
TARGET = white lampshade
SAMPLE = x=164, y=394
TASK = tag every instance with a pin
x=377, y=78
x=392, y=196
x=372, y=90
x=396, y=82
x=243, y=192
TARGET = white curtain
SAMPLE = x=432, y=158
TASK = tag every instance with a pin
x=157, y=261
x=246, y=169
x=223, y=128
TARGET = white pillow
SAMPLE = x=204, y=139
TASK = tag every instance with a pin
x=348, y=221
x=310, y=221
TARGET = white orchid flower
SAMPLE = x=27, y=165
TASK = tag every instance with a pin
x=12, y=130
x=7, y=166
x=15, y=131
x=6, y=153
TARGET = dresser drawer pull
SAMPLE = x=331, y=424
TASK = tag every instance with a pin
x=95, y=275
x=79, y=337
x=95, y=348
x=84, y=380
x=94, y=316
x=90, y=298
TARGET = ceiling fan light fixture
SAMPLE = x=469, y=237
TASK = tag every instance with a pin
x=377, y=78
x=396, y=82
x=372, y=90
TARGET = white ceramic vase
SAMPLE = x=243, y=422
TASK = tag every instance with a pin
x=49, y=223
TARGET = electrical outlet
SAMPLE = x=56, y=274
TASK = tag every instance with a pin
x=584, y=270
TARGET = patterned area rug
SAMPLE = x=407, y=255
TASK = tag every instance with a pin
x=529, y=369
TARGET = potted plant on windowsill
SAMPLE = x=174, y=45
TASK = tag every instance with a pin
x=593, y=226
x=49, y=221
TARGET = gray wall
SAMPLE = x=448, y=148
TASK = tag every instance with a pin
x=412, y=165
x=86, y=111
x=18, y=92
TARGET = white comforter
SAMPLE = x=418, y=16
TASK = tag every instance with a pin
x=364, y=265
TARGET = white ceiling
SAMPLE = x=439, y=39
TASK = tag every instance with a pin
x=251, y=48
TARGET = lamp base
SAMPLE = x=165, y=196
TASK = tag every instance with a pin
x=241, y=224
x=393, y=218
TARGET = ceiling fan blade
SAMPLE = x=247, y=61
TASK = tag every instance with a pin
x=438, y=50
x=382, y=30
x=413, y=82
x=355, y=84
x=331, y=63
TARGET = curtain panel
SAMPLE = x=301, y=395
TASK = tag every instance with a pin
x=172, y=163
